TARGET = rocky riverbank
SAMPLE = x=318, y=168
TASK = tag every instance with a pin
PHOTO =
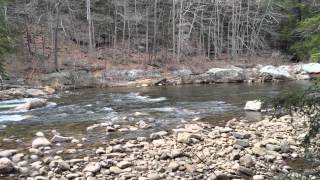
x=77, y=79
x=239, y=150
x=85, y=78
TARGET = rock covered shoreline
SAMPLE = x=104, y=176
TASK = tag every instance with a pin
x=196, y=150
x=68, y=79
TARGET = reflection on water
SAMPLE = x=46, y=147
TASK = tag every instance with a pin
x=162, y=107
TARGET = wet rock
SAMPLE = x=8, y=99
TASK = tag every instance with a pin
x=31, y=104
x=92, y=167
x=247, y=161
x=40, y=141
x=6, y=166
x=253, y=105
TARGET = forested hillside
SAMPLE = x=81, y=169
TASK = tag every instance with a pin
x=164, y=31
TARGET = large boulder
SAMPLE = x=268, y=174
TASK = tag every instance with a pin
x=253, y=105
x=311, y=68
x=20, y=92
x=30, y=104
x=6, y=166
x=270, y=72
x=35, y=92
x=220, y=75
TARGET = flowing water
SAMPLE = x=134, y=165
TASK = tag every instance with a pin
x=162, y=107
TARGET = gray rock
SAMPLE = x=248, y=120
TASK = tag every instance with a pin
x=124, y=164
x=173, y=166
x=35, y=92
x=271, y=72
x=72, y=175
x=40, y=141
x=17, y=157
x=158, y=135
x=59, y=166
x=92, y=167
x=242, y=142
x=253, y=105
x=6, y=166
x=247, y=161
x=60, y=139
x=184, y=137
x=270, y=158
x=154, y=176
x=285, y=147
x=258, y=177
x=7, y=153
x=30, y=104
x=259, y=151
x=241, y=135
x=100, y=150
x=273, y=147
x=311, y=68
x=245, y=171
x=115, y=170
x=219, y=75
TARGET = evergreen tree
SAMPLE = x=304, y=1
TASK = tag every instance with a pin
x=301, y=30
